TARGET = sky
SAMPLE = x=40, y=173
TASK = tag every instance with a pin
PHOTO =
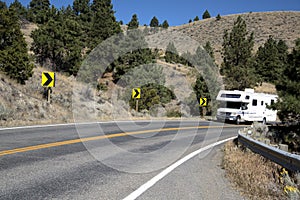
x=178, y=12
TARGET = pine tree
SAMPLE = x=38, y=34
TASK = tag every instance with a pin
x=3, y=5
x=39, y=11
x=104, y=23
x=134, y=43
x=58, y=41
x=209, y=50
x=82, y=10
x=19, y=9
x=165, y=24
x=206, y=15
x=196, y=19
x=238, y=66
x=207, y=84
x=201, y=91
x=134, y=23
x=288, y=87
x=190, y=21
x=154, y=22
x=271, y=60
x=14, y=60
x=81, y=7
x=218, y=17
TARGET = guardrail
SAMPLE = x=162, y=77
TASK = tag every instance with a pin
x=287, y=160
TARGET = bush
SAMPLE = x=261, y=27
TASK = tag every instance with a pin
x=102, y=87
x=4, y=113
x=174, y=113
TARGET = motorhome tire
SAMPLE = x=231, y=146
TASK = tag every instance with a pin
x=238, y=120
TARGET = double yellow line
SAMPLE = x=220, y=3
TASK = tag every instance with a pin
x=75, y=141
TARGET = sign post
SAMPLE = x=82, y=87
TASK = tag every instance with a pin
x=48, y=81
x=136, y=94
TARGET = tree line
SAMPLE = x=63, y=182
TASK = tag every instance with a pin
x=272, y=63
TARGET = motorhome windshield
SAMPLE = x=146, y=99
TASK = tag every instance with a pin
x=229, y=104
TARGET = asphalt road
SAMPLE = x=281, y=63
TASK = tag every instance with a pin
x=111, y=160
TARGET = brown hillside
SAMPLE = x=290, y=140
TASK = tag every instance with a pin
x=281, y=25
x=24, y=104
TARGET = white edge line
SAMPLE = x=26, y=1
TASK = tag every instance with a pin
x=72, y=124
x=169, y=169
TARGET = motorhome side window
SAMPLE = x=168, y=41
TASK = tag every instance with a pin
x=254, y=102
x=262, y=103
x=247, y=97
x=272, y=101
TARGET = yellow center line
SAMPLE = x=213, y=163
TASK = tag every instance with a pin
x=75, y=141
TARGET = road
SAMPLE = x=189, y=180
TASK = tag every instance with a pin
x=112, y=160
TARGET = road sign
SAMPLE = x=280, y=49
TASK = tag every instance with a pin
x=136, y=93
x=203, y=102
x=48, y=79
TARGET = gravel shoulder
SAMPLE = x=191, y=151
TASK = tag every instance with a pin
x=190, y=181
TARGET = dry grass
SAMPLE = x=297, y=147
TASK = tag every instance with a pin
x=266, y=88
x=253, y=175
x=282, y=25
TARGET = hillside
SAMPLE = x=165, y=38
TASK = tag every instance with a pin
x=24, y=104
x=281, y=25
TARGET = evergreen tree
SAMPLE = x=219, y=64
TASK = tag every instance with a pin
x=206, y=15
x=165, y=24
x=209, y=50
x=201, y=91
x=39, y=11
x=104, y=23
x=3, y=5
x=271, y=60
x=171, y=53
x=81, y=7
x=134, y=39
x=288, y=88
x=134, y=23
x=19, y=9
x=190, y=21
x=218, y=17
x=14, y=60
x=207, y=84
x=154, y=22
x=238, y=66
x=84, y=15
x=58, y=41
x=196, y=19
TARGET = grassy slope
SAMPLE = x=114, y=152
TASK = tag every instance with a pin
x=282, y=25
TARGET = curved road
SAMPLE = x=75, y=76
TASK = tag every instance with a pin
x=90, y=161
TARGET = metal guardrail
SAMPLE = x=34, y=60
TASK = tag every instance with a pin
x=287, y=160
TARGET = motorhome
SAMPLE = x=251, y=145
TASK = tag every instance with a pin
x=245, y=106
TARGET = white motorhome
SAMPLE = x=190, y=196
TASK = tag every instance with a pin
x=245, y=106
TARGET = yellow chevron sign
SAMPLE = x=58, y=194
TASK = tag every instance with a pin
x=203, y=102
x=48, y=79
x=136, y=93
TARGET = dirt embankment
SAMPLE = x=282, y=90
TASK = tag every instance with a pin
x=255, y=176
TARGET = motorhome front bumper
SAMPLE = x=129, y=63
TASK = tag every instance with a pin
x=226, y=116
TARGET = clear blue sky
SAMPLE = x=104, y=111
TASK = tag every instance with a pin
x=180, y=11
